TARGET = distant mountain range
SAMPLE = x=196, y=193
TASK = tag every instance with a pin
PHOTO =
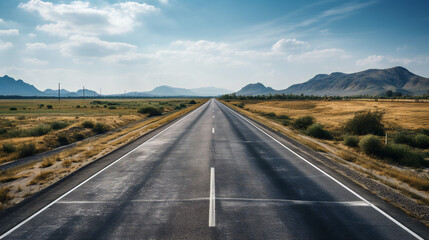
x=12, y=87
x=370, y=82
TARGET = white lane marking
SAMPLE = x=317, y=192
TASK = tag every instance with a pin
x=80, y=184
x=212, y=205
x=212, y=130
x=302, y=202
x=335, y=180
x=213, y=116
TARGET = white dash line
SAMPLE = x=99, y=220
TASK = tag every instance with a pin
x=212, y=205
x=212, y=130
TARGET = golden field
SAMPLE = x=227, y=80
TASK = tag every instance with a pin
x=333, y=114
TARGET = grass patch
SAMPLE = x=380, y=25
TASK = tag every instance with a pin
x=42, y=177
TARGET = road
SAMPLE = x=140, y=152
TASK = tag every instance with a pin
x=213, y=175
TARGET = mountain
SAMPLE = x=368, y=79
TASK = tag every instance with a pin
x=10, y=86
x=256, y=89
x=371, y=82
x=167, y=91
x=210, y=91
x=65, y=93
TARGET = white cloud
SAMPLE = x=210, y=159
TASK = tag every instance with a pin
x=36, y=45
x=81, y=46
x=370, y=60
x=5, y=45
x=9, y=32
x=289, y=45
x=318, y=55
x=1, y=21
x=163, y=1
x=387, y=61
x=82, y=19
x=35, y=61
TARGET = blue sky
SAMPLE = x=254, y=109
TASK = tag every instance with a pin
x=138, y=45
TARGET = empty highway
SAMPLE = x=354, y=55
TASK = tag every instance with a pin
x=213, y=175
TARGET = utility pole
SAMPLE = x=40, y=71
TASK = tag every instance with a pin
x=59, y=91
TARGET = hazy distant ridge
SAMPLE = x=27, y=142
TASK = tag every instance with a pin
x=12, y=87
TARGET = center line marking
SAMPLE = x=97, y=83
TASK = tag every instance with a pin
x=212, y=130
x=212, y=205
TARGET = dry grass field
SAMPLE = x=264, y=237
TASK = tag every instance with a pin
x=49, y=123
x=333, y=114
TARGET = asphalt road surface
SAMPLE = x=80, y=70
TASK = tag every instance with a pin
x=213, y=175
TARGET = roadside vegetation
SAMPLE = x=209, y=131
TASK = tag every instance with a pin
x=384, y=140
x=31, y=126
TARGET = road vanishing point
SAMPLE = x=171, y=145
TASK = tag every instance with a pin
x=212, y=174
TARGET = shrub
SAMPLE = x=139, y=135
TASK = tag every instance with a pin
x=49, y=107
x=283, y=117
x=47, y=162
x=182, y=105
x=3, y=131
x=112, y=107
x=42, y=177
x=62, y=140
x=403, y=154
x=351, y=141
x=240, y=105
x=37, y=131
x=404, y=138
x=316, y=130
x=88, y=124
x=285, y=122
x=13, y=109
x=41, y=105
x=59, y=125
x=20, y=117
x=77, y=106
x=9, y=147
x=177, y=107
x=365, y=122
x=371, y=145
x=105, y=106
x=303, y=122
x=100, y=128
x=27, y=150
x=79, y=137
x=192, y=102
x=151, y=110
x=421, y=141
x=5, y=197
